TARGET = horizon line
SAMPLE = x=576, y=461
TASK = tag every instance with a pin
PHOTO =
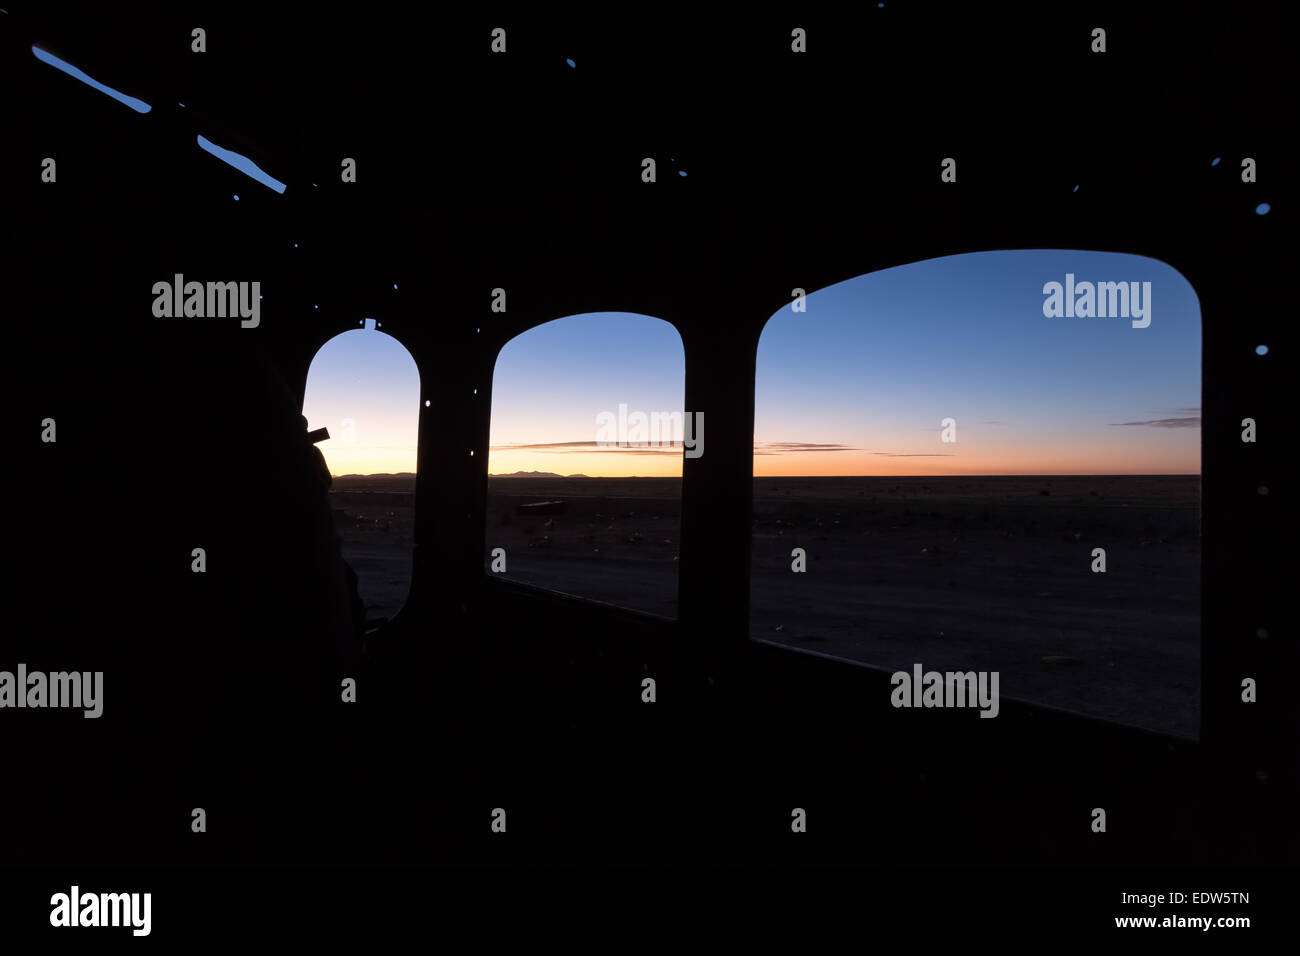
x=1162, y=474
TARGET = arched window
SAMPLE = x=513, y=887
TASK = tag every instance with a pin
x=364, y=387
x=585, y=463
x=990, y=462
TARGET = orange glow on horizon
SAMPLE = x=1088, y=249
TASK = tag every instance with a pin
x=848, y=464
x=1045, y=461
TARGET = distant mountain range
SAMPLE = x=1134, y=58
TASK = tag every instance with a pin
x=406, y=479
x=535, y=474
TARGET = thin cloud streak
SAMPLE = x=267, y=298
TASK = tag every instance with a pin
x=1193, y=422
x=589, y=447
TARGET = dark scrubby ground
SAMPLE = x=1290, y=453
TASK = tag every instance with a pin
x=995, y=574
x=966, y=573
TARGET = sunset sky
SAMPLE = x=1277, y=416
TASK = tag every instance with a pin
x=857, y=385
x=364, y=387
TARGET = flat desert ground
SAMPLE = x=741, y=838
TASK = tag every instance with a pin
x=962, y=573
